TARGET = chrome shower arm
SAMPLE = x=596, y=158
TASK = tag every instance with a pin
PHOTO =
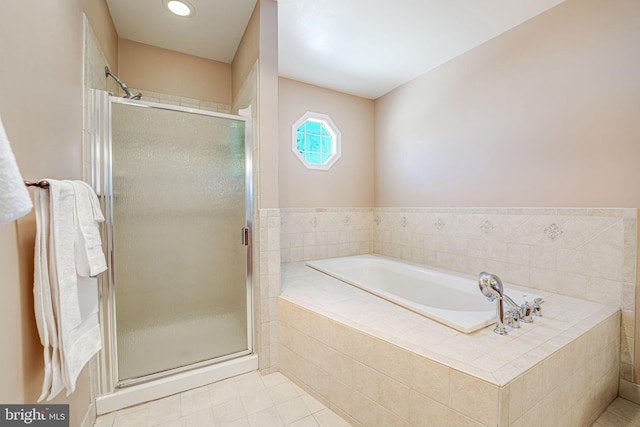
x=125, y=88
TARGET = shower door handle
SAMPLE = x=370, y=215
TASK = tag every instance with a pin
x=245, y=236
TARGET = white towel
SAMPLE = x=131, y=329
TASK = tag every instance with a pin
x=81, y=343
x=90, y=259
x=62, y=250
x=67, y=245
x=14, y=197
x=43, y=305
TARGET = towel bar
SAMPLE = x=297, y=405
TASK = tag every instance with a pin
x=41, y=184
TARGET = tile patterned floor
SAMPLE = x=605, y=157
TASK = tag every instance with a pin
x=621, y=413
x=252, y=400
x=249, y=400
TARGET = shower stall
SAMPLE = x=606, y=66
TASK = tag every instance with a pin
x=176, y=301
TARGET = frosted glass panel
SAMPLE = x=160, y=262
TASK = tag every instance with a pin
x=179, y=263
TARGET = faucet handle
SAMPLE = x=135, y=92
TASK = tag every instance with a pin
x=513, y=318
x=526, y=312
x=535, y=307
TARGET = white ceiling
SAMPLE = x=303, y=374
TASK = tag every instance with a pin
x=213, y=32
x=361, y=47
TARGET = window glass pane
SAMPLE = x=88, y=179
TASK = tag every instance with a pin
x=313, y=158
x=313, y=143
x=324, y=131
x=313, y=127
x=326, y=145
x=300, y=142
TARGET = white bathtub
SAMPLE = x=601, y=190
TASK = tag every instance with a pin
x=451, y=299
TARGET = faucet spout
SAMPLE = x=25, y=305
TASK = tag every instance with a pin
x=491, y=287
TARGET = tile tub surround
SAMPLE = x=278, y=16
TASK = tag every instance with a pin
x=375, y=363
x=315, y=233
x=585, y=253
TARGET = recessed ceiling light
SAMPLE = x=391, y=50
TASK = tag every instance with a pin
x=179, y=7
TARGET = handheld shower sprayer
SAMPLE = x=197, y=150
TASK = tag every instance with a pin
x=125, y=88
x=491, y=287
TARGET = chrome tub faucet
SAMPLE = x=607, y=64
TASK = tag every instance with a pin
x=492, y=288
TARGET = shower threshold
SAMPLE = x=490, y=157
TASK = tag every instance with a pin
x=166, y=386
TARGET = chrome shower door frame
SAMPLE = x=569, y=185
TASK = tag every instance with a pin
x=98, y=172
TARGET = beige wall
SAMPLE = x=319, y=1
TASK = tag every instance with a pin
x=148, y=67
x=350, y=181
x=543, y=115
x=267, y=103
x=636, y=330
x=99, y=16
x=636, y=325
x=41, y=108
x=11, y=363
x=247, y=52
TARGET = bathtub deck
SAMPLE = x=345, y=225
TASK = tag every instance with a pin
x=482, y=354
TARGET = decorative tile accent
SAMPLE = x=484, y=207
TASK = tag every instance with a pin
x=314, y=222
x=552, y=231
x=439, y=224
x=347, y=220
x=403, y=221
x=377, y=219
x=486, y=227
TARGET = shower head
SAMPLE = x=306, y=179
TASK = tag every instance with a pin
x=133, y=95
x=125, y=88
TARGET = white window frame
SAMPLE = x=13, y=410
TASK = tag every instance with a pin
x=332, y=129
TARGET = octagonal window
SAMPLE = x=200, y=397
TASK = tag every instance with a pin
x=316, y=141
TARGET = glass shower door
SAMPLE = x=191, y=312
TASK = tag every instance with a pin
x=180, y=266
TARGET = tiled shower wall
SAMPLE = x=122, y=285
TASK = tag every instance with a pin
x=585, y=253
x=266, y=242
x=93, y=65
x=93, y=77
x=181, y=101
